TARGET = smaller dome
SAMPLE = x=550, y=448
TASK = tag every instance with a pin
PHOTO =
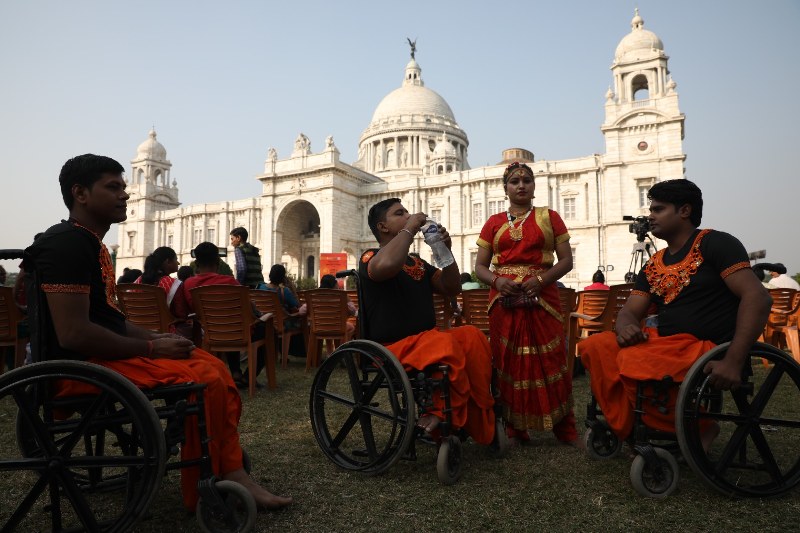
x=638, y=42
x=151, y=149
x=444, y=148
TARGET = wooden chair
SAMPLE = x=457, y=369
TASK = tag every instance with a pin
x=475, y=311
x=443, y=312
x=10, y=316
x=146, y=306
x=569, y=303
x=226, y=313
x=327, y=319
x=268, y=302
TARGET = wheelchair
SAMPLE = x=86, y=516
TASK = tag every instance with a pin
x=364, y=408
x=755, y=454
x=93, y=460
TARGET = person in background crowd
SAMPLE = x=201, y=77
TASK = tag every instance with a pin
x=780, y=280
x=248, y=261
x=598, y=282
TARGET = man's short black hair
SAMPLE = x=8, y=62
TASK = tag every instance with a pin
x=679, y=192
x=466, y=277
x=240, y=232
x=206, y=255
x=85, y=170
x=377, y=213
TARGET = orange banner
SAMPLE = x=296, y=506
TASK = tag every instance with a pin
x=331, y=264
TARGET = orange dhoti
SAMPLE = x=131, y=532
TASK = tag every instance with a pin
x=223, y=408
x=614, y=373
x=465, y=351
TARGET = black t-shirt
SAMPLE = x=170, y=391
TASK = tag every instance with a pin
x=398, y=307
x=71, y=259
x=691, y=297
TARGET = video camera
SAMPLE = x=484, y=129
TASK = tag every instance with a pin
x=639, y=227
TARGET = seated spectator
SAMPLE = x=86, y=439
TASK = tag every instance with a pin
x=129, y=275
x=328, y=281
x=397, y=285
x=780, y=280
x=76, y=275
x=467, y=283
x=279, y=283
x=157, y=269
x=760, y=270
x=705, y=292
x=185, y=272
x=206, y=262
x=598, y=283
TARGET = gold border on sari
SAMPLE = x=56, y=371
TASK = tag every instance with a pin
x=532, y=350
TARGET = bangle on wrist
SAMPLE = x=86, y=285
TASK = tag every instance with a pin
x=540, y=280
x=408, y=231
x=149, y=348
x=494, y=279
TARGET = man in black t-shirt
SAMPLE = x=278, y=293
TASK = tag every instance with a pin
x=705, y=294
x=398, y=312
x=76, y=275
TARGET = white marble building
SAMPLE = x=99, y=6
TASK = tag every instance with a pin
x=414, y=149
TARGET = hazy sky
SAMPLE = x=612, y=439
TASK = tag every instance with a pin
x=224, y=81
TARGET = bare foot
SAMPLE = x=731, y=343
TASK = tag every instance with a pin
x=428, y=423
x=264, y=498
x=708, y=436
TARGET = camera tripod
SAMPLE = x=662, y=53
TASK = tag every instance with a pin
x=641, y=253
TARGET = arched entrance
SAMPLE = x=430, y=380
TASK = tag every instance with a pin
x=297, y=239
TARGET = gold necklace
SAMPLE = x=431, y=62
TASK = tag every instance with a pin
x=515, y=232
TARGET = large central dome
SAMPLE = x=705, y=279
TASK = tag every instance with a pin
x=412, y=98
x=406, y=127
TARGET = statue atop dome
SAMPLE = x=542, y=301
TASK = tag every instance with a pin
x=413, y=45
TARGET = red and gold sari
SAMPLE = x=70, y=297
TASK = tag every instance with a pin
x=528, y=342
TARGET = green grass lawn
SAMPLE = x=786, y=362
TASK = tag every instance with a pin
x=542, y=486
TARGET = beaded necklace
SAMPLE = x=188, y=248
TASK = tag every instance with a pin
x=515, y=232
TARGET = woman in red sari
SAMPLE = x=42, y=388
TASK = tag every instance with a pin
x=526, y=324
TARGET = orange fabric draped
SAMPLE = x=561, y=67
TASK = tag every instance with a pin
x=223, y=407
x=466, y=351
x=614, y=372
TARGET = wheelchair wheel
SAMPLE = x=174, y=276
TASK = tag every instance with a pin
x=448, y=462
x=362, y=407
x=658, y=478
x=74, y=450
x=235, y=512
x=500, y=444
x=602, y=443
x=756, y=452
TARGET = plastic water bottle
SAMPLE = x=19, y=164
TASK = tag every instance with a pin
x=442, y=256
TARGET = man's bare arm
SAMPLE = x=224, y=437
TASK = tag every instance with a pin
x=754, y=306
x=75, y=332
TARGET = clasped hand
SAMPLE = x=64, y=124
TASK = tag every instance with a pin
x=508, y=287
x=171, y=346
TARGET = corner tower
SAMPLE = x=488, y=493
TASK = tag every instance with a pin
x=150, y=192
x=643, y=123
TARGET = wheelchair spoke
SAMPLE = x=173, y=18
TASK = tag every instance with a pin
x=369, y=437
x=12, y=465
x=346, y=427
x=383, y=414
x=104, y=461
x=738, y=439
x=26, y=504
x=35, y=422
x=76, y=498
x=352, y=373
x=86, y=419
x=766, y=454
x=766, y=390
x=335, y=398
